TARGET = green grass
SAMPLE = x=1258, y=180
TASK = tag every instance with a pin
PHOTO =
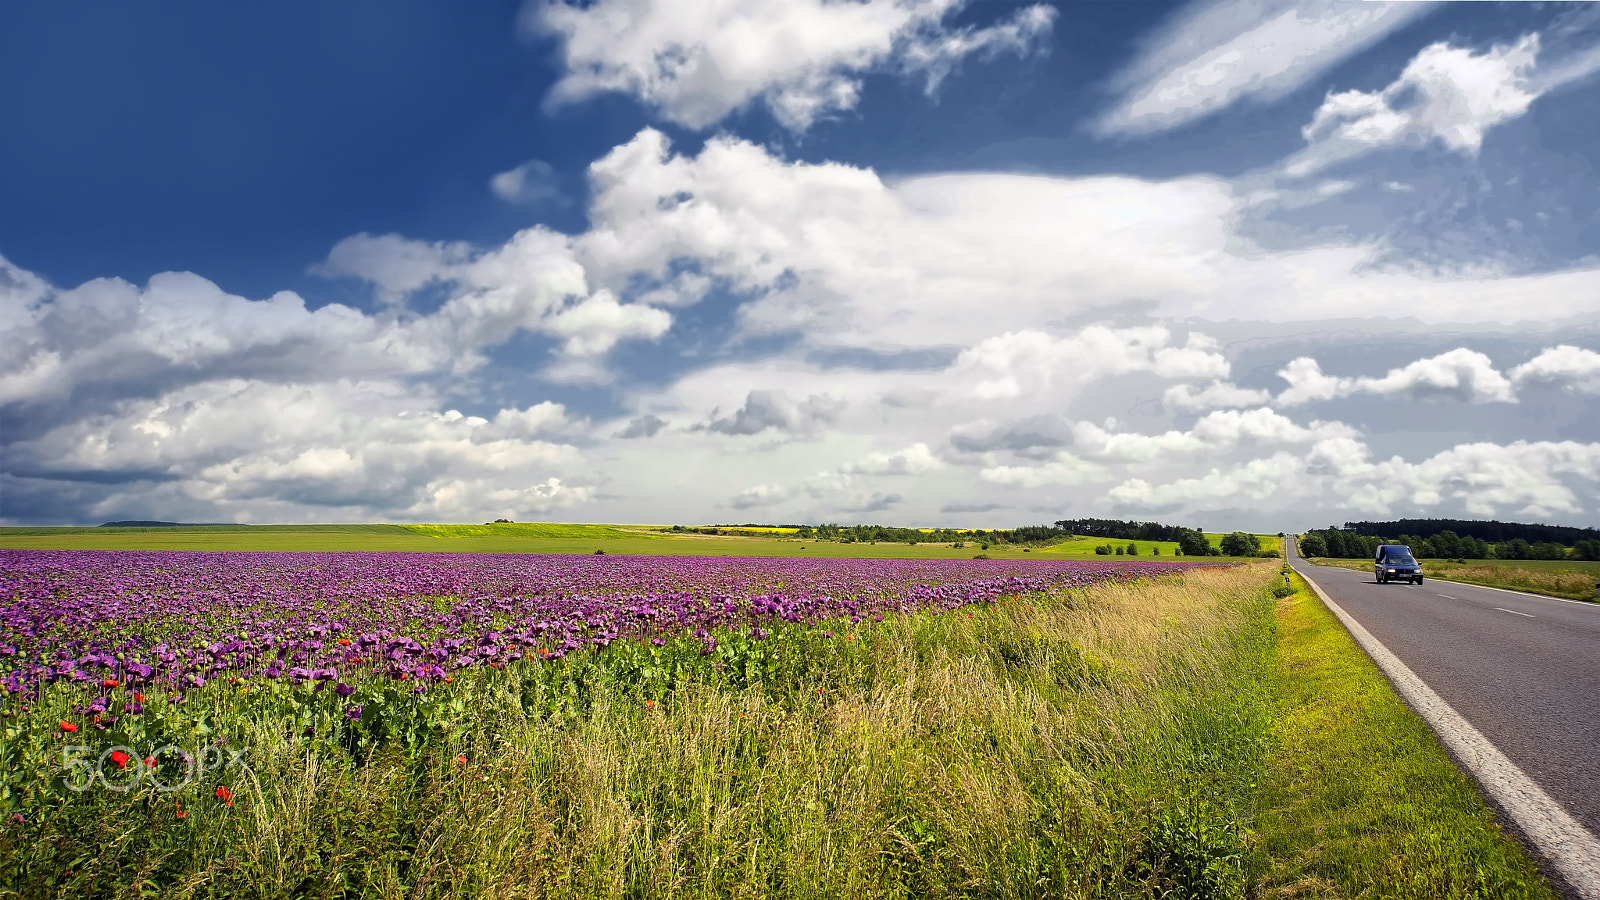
x=1359, y=799
x=1083, y=548
x=1569, y=579
x=529, y=538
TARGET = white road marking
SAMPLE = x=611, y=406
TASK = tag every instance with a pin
x=1448, y=597
x=1514, y=612
x=1563, y=840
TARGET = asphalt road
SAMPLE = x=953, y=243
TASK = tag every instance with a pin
x=1524, y=670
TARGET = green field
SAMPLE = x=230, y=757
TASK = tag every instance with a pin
x=538, y=538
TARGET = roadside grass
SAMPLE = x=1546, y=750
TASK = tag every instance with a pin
x=1359, y=799
x=1569, y=579
x=1098, y=743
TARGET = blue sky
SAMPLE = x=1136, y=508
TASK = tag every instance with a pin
x=1234, y=264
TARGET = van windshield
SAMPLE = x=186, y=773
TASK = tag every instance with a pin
x=1398, y=559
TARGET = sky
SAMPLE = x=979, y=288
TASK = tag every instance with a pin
x=1235, y=264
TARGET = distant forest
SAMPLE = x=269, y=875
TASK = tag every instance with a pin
x=1190, y=541
x=1491, y=531
x=1455, y=539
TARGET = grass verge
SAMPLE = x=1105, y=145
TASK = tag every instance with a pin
x=1359, y=799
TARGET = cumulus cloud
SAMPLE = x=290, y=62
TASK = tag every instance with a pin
x=1013, y=363
x=1256, y=480
x=875, y=502
x=1527, y=478
x=913, y=460
x=760, y=495
x=360, y=448
x=534, y=282
x=1449, y=95
x=838, y=257
x=695, y=62
x=1461, y=374
x=1216, y=395
x=642, y=427
x=108, y=339
x=1220, y=430
x=1063, y=469
x=773, y=409
x=1215, y=54
x=1575, y=368
x=532, y=183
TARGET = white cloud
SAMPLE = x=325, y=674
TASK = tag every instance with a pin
x=1461, y=374
x=913, y=460
x=533, y=282
x=596, y=324
x=697, y=61
x=112, y=338
x=1216, y=395
x=1575, y=368
x=362, y=448
x=1063, y=469
x=1014, y=363
x=533, y=182
x=1446, y=94
x=1256, y=480
x=837, y=256
x=1531, y=479
x=394, y=265
x=1486, y=479
x=773, y=409
x=1216, y=54
x=1216, y=431
x=760, y=495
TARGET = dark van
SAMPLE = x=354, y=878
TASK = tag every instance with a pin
x=1394, y=562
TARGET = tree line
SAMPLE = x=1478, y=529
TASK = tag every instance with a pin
x=1350, y=543
x=1190, y=541
x=1493, y=532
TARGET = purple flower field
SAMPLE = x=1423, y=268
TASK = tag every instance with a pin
x=175, y=620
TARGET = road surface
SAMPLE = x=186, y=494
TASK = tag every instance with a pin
x=1524, y=670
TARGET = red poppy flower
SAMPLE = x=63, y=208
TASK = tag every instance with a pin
x=109, y=682
x=138, y=697
x=68, y=727
x=150, y=761
x=225, y=795
x=120, y=758
x=181, y=812
x=344, y=642
x=461, y=760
